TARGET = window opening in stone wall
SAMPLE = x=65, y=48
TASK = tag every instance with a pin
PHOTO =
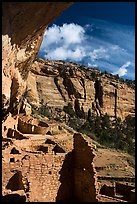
x=58, y=149
x=12, y=160
x=49, y=133
x=49, y=141
x=42, y=148
x=14, y=151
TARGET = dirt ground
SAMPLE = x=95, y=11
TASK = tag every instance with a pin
x=114, y=163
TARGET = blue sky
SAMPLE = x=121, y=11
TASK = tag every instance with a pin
x=96, y=34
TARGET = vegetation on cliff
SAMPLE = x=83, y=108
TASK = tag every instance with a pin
x=107, y=131
x=112, y=133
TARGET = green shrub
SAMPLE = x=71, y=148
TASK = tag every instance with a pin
x=69, y=110
x=93, y=75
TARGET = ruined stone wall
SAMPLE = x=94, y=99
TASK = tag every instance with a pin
x=84, y=172
x=125, y=190
x=50, y=176
x=32, y=128
x=47, y=176
x=9, y=123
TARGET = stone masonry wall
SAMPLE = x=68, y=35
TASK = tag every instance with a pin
x=84, y=172
x=48, y=176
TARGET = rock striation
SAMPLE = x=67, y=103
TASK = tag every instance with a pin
x=58, y=83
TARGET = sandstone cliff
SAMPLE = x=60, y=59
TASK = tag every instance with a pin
x=23, y=26
x=58, y=83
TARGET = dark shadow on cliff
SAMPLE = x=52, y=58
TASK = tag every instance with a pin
x=99, y=92
x=66, y=189
x=69, y=86
x=59, y=88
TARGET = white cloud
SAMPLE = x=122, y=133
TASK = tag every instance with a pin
x=92, y=65
x=72, y=33
x=100, y=43
x=122, y=71
x=64, y=42
x=117, y=48
x=99, y=53
x=63, y=54
x=52, y=35
x=66, y=35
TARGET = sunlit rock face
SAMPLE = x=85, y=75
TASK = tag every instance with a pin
x=57, y=83
x=23, y=26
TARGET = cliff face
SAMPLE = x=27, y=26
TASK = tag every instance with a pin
x=23, y=26
x=58, y=83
